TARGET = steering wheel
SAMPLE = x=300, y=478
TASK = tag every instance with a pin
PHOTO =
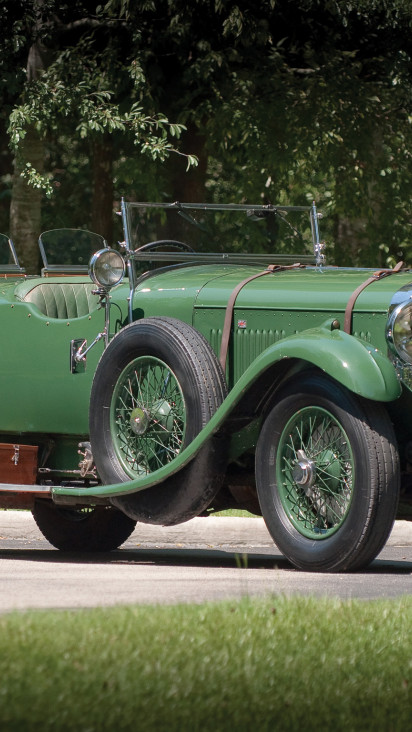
x=158, y=244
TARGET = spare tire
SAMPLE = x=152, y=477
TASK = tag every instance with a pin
x=156, y=386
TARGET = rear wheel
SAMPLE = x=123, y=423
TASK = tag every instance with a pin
x=327, y=476
x=157, y=385
x=95, y=529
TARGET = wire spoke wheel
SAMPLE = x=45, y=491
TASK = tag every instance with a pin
x=157, y=385
x=315, y=472
x=327, y=475
x=148, y=416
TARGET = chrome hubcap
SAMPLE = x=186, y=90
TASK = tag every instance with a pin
x=139, y=420
x=304, y=471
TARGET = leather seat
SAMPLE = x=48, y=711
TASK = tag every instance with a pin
x=64, y=300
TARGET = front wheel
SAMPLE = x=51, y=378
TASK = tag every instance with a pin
x=327, y=476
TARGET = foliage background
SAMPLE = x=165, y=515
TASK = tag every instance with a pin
x=281, y=101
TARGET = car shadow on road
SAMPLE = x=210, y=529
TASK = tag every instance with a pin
x=179, y=556
x=153, y=555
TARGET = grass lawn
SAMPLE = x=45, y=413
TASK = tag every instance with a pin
x=235, y=513
x=273, y=664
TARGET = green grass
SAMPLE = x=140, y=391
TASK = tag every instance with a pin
x=277, y=664
x=236, y=513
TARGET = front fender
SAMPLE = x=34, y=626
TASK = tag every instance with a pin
x=355, y=364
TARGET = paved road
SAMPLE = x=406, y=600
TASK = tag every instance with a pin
x=205, y=559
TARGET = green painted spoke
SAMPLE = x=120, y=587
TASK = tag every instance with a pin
x=165, y=385
x=140, y=389
x=157, y=461
x=123, y=404
x=153, y=442
x=299, y=441
x=160, y=426
x=324, y=480
x=147, y=416
x=129, y=390
x=288, y=465
x=318, y=502
x=311, y=428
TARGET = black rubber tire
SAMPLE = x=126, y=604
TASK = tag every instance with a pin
x=370, y=514
x=97, y=529
x=199, y=375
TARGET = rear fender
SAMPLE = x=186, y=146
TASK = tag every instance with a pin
x=350, y=361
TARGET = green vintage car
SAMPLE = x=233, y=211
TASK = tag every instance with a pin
x=160, y=380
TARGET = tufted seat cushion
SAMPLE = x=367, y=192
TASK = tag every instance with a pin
x=60, y=299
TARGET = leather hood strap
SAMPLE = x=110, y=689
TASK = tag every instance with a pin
x=379, y=275
x=227, y=325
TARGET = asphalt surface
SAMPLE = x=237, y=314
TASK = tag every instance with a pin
x=206, y=559
x=211, y=531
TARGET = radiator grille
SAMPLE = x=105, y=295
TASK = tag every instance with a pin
x=245, y=345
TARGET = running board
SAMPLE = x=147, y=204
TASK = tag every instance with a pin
x=31, y=488
x=23, y=496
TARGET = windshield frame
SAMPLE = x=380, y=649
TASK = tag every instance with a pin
x=12, y=267
x=258, y=210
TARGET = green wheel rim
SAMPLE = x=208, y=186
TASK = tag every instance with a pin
x=315, y=472
x=147, y=416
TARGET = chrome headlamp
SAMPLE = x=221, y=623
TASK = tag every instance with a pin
x=399, y=331
x=106, y=268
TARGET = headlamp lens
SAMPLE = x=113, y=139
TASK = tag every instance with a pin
x=399, y=331
x=107, y=268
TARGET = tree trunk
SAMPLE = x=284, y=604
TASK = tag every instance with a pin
x=187, y=186
x=102, y=201
x=25, y=208
x=359, y=228
x=6, y=164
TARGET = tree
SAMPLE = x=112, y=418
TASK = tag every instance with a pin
x=25, y=209
x=289, y=101
x=282, y=101
x=85, y=91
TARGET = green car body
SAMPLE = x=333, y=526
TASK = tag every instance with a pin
x=305, y=379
